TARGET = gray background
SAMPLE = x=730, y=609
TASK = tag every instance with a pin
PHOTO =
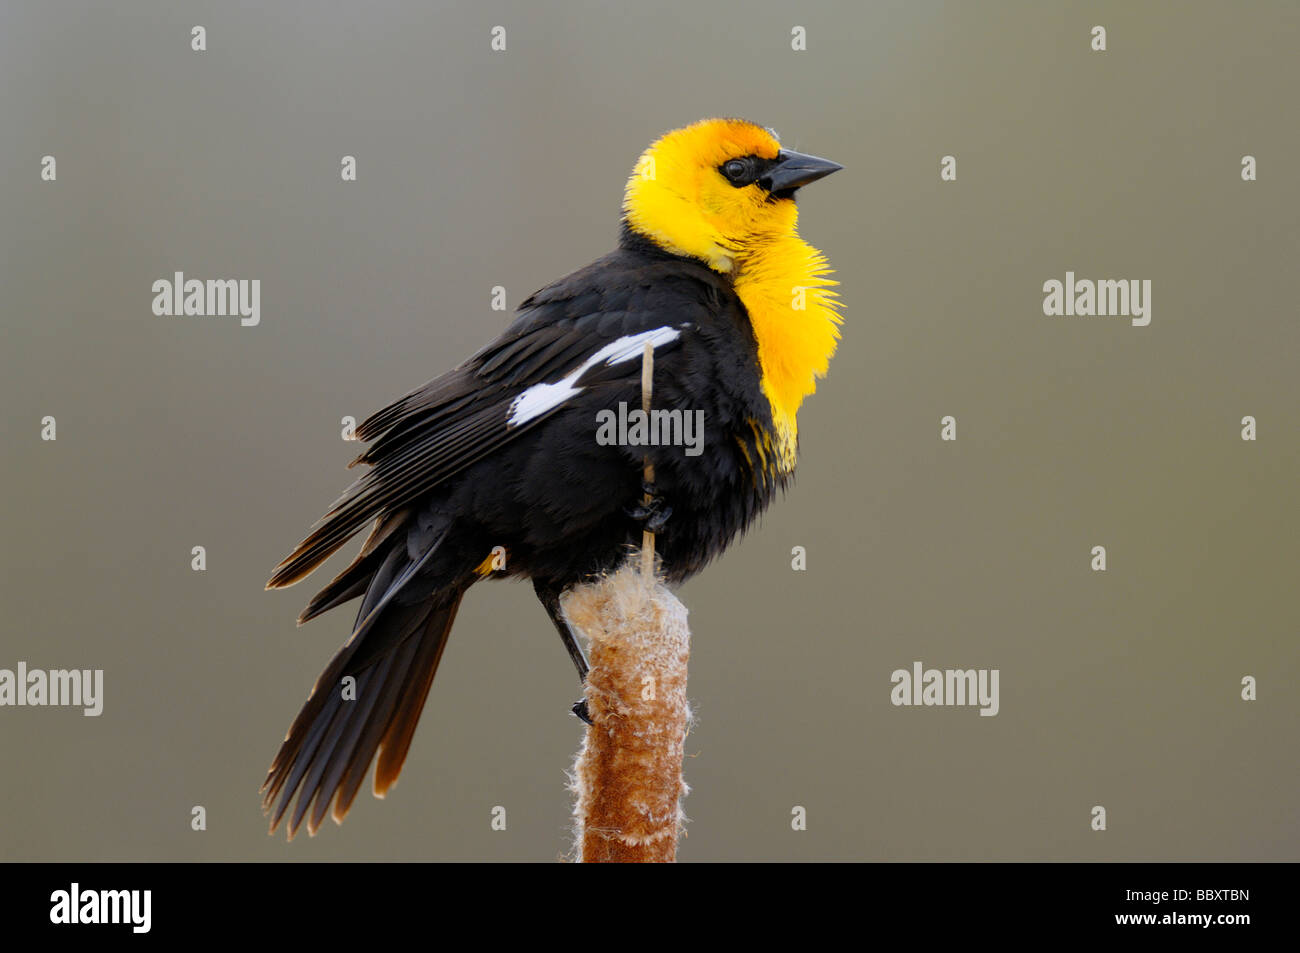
x=478, y=169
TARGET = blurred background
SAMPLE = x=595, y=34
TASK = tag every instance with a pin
x=478, y=168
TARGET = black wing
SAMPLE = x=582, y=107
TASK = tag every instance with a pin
x=585, y=329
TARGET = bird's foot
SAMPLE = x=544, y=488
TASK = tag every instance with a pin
x=653, y=511
x=580, y=709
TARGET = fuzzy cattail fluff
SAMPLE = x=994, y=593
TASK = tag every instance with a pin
x=628, y=775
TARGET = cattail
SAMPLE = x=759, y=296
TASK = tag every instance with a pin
x=628, y=776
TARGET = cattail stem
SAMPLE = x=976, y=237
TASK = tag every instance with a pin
x=628, y=775
x=648, y=469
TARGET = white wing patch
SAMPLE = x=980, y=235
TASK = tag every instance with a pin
x=541, y=398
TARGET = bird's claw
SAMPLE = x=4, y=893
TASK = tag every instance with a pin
x=580, y=709
x=653, y=512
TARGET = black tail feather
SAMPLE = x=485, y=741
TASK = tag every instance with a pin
x=329, y=748
x=393, y=654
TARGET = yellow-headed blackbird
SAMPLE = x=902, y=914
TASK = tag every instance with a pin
x=504, y=450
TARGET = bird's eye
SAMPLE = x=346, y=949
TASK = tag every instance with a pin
x=738, y=171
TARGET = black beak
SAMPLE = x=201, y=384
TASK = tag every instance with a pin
x=793, y=170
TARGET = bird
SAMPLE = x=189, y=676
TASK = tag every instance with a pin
x=494, y=469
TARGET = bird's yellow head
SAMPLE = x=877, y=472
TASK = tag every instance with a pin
x=717, y=189
x=722, y=191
